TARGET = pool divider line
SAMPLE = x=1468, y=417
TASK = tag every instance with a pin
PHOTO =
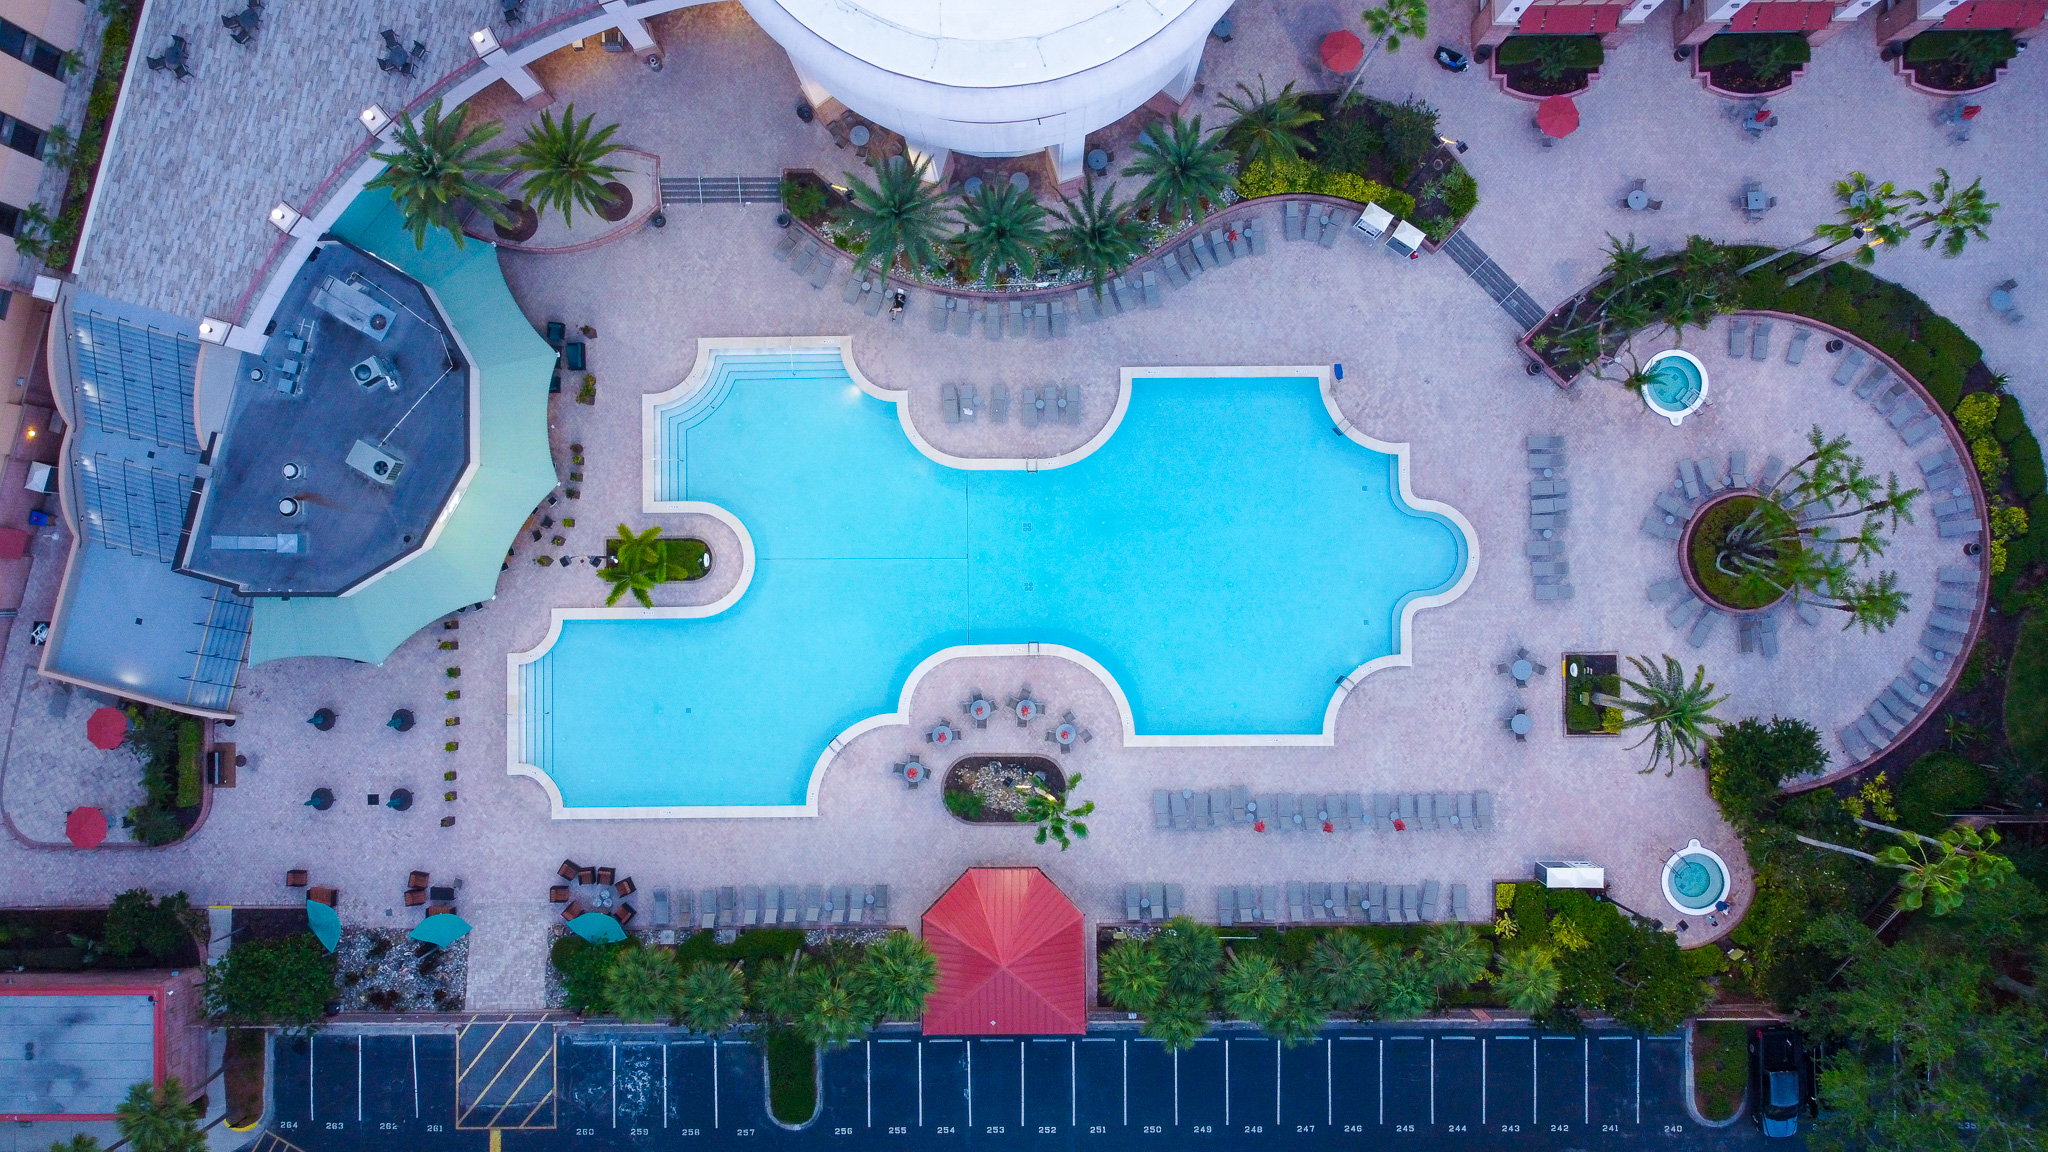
x=709, y=351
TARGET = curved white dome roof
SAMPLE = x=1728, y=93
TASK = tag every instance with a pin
x=985, y=43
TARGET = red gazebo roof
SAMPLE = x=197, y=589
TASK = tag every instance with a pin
x=1012, y=957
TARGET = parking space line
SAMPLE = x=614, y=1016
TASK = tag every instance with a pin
x=664, y=1085
x=1382, y=1061
x=871, y=1083
x=1329, y=1081
x=1020, y=1088
x=1176, y=1089
x=1535, y=1057
x=615, y=1085
x=1587, y=1082
x=1073, y=1086
x=714, y=1084
x=313, y=1055
x=1482, y=1081
x=920, y=1085
x=1276, y=1086
x=529, y=1075
x=970, y=1085
x=1226, y=1087
x=359, y=1078
x=463, y=1073
x=415, y=1075
x=1127, y=1083
x=1639, y=1080
x=1432, y=1080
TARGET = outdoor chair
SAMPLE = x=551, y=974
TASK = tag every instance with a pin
x=1685, y=612
x=1198, y=806
x=1226, y=907
x=1738, y=336
x=1426, y=908
x=1297, y=902
x=1852, y=362
x=1460, y=906
x=1132, y=903
x=1656, y=205
x=949, y=403
x=707, y=908
x=417, y=880
x=1255, y=235
x=1270, y=908
x=326, y=896
x=1666, y=588
x=1703, y=628
x=1219, y=807
x=624, y=888
x=1482, y=807
x=1767, y=634
x=1465, y=812
x=623, y=914
x=1178, y=803
x=1760, y=340
x=414, y=897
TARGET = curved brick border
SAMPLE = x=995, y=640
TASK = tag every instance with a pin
x=1706, y=80
x=1900, y=70
x=1954, y=440
x=1685, y=571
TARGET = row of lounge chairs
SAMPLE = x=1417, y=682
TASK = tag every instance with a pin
x=1370, y=903
x=811, y=906
x=1753, y=339
x=1217, y=248
x=1895, y=399
x=1944, y=640
x=1550, y=505
x=1150, y=903
x=1699, y=480
x=1052, y=404
x=1187, y=809
x=1955, y=511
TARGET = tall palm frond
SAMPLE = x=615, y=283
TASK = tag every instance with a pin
x=899, y=216
x=1002, y=227
x=437, y=171
x=1679, y=717
x=1184, y=171
x=1268, y=127
x=564, y=165
x=1098, y=237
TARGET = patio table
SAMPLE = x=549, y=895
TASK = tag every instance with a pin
x=1522, y=670
x=2001, y=300
x=602, y=898
x=942, y=734
x=1755, y=200
x=1098, y=159
x=860, y=135
x=915, y=772
x=1066, y=734
x=980, y=709
x=972, y=185
x=1638, y=200
x=1029, y=709
x=1020, y=181
x=1521, y=724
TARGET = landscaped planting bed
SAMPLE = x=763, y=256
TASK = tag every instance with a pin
x=1584, y=675
x=1720, y=1067
x=984, y=789
x=1548, y=65
x=382, y=970
x=1959, y=61
x=1702, y=543
x=1756, y=63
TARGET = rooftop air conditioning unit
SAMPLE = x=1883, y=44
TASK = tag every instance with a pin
x=375, y=370
x=375, y=462
x=1571, y=874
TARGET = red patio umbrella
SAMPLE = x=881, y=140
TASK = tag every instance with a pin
x=106, y=727
x=1342, y=51
x=1557, y=116
x=85, y=827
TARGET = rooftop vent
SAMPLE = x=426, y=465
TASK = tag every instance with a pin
x=353, y=306
x=373, y=371
x=375, y=462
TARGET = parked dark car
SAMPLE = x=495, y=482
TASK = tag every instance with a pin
x=1777, y=1079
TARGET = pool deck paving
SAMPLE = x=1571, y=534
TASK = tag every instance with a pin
x=1429, y=362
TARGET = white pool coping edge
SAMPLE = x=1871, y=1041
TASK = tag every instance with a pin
x=700, y=375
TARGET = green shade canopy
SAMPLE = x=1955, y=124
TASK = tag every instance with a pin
x=441, y=929
x=325, y=923
x=597, y=928
x=514, y=469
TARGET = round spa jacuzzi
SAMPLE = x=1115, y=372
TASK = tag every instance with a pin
x=1695, y=879
x=1677, y=384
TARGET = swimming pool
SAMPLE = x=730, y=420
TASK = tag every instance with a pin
x=1218, y=556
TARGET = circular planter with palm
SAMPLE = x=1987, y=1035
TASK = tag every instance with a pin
x=564, y=166
x=521, y=222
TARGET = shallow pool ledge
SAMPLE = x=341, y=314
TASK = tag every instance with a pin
x=701, y=376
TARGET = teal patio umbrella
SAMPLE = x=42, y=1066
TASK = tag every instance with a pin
x=597, y=928
x=325, y=922
x=441, y=929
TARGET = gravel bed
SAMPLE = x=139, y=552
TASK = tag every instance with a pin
x=381, y=970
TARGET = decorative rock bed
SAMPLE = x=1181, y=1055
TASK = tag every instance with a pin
x=994, y=780
x=383, y=970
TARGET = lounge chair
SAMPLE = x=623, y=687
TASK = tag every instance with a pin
x=1240, y=243
x=1465, y=813
x=1795, y=348
x=1355, y=812
x=750, y=907
x=1738, y=337
x=1175, y=274
x=942, y=312
x=963, y=318
x=1760, y=340
x=1071, y=414
x=1689, y=477
x=1446, y=812
x=1738, y=468
x=728, y=907
x=1549, y=521
x=1320, y=906
x=1711, y=476
x=1767, y=636
x=1553, y=591
x=1382, y=812
x=1917, y=433
x=1773, y=471
x=1549, y=487
x=1877, y=379
x=1333, y=224
x=821, y=270
x=810, y=252
x=1853, y=361
x=876, y=292
x=1406, y=820
x=1661, y=524
x=1226, y=907
x=814, y=903
x=1199, y=809
x=949, y=403
x=1297, y=902
x=1411, y=904
x=1177, y=801
x=1541, y=461
x=1255, y=235
x=1854, y=744
x=878, y=897
x=1239, y=797
x=1482, y=805
x=856, y=287
x=1268, y=812
x=1541, y=549
x=1887, y=403
x=1957, y=526
x=1544, y=443
x=993, y=322
x=841, y=899
x=1670, y=503
x=1375, y=903
x=1966, y=577
x=1703, y=628
x=1057, y=314
x=1162, y=809
x=1461, y=908
x=1219, y=247
x=1745, y=634
x=787, y=245
x=1287, y=813
x=707, y=909
x=1204, y=258
x=1152, y=297
x=1270, y=907
x=1218, y=809
x=1291, y=217
x=685, y=910
x=1550, y=503
x=1428, y=906
x=1666, y=588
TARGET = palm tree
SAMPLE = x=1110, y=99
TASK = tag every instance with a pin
x=1098, y=237
x=1348, y=968
x=1184, y=172
x=899, y=216
x=830, y=1016
x=1876, y=603
x=640, y=564
x=1405, y=990
x=437, y=172
x=1050, y=812
x=711, y=997
x=640, y=984
x=1190, y=950
x=896, y=974
x=1529, y=980
x=1389, y=22
x=159, y=1119
x=1267, y=127
x=1004, y=226
x=1253, y=987
x=1454, y=956
x=1953, y=216
x=79, y=1142
x=1177, y=1022
x=1679, y=717
x=563, y=163
x=1865, y=208
x=1938, y=869
x=1300, y=1014
x=1131, y=976
x=32, y=233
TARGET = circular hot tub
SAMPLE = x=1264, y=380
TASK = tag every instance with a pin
x=1695, y=879
x=1677, y=385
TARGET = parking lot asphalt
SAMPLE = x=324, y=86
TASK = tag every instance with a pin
x=527, y=1085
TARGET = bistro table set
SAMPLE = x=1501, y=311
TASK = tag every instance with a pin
x=980, y=709
x=396, y=57
x=585, y=890
x=242, y=26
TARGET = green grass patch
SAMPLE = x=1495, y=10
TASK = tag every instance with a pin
x=2026, y=690
x=1708, y=533
x=792, y=1077
x=1937, y=784
x=753, y=944
x=1720, y=1067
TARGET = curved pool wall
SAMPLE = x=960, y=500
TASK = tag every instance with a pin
x=1713, y=871
x=1214, y=556
x=1675, y=369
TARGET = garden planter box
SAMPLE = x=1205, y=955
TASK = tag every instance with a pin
x=1706, y=79
x=1505, y=80
x=1910, y=73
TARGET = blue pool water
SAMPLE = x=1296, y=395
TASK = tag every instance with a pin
x=1674, y=383
x=1224, y=555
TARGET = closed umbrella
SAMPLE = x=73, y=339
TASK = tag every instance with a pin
x=325, y=923
x=85, y=827
x=597, y=928
x=1557, y=116
x=1342, y=51
x=106, y=727
x=443, y=929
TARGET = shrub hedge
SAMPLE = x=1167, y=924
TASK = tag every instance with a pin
x=2026, y=690
x=1728, y=47
x=1936, y=783
x=1585, y=51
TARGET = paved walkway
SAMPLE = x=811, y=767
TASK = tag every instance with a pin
x=1428, y=362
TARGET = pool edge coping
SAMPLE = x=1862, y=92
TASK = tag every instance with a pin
x=708, y=349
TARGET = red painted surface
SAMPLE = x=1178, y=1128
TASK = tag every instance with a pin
x=1996, y=14
x=1781, y=18
x=1557, y=116
x=1012, y=957
x=1342, y=51
x=1571, y=19
x=85, y=827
